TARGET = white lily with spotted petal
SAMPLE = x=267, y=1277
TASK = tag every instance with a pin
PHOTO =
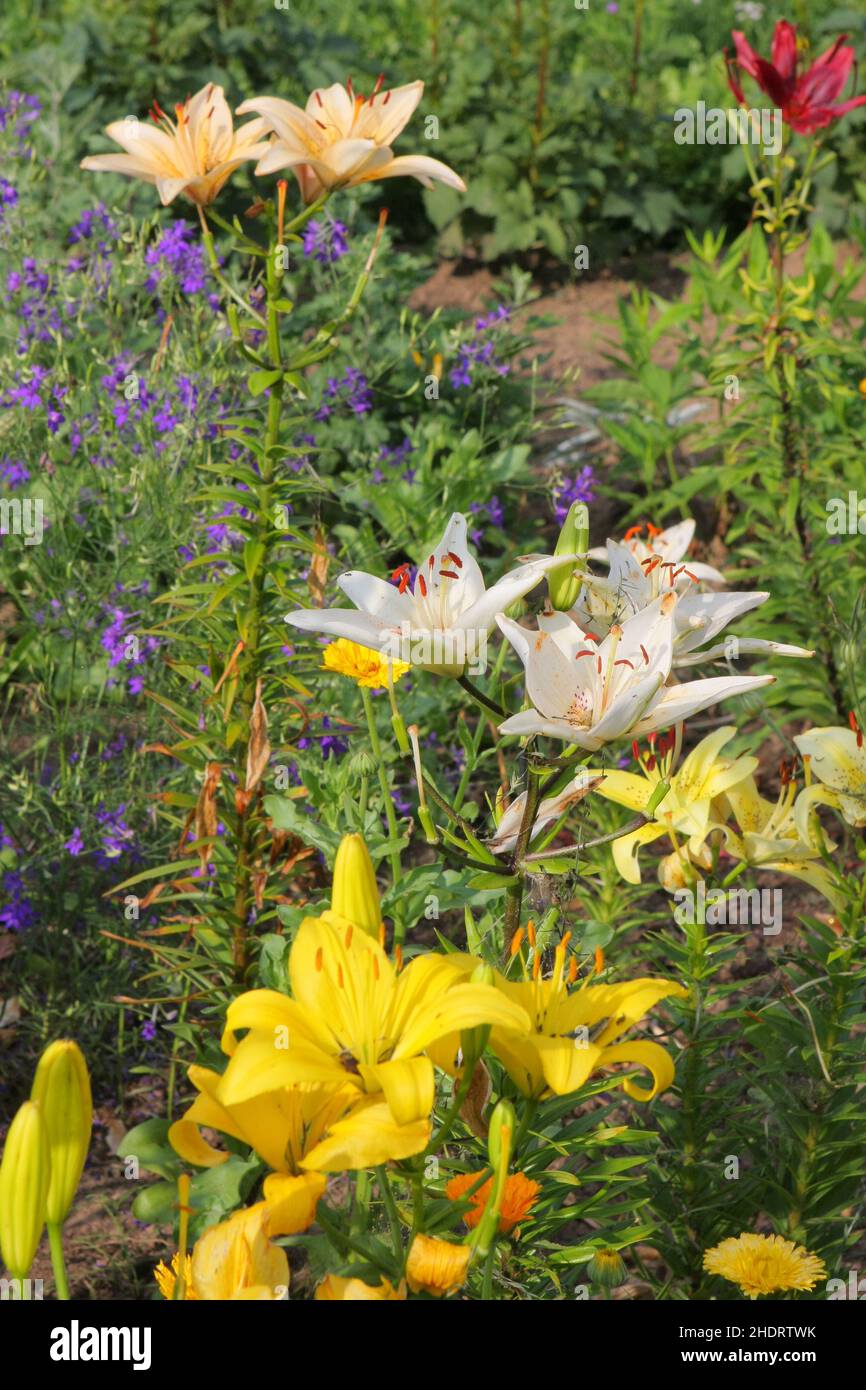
x=193, y=155
x=670, y=545
x=633, y=583
x=343, y=138
x=590, y=693
x=837, y=757
x=440, y=623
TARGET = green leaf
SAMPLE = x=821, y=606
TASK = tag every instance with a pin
x=260, y=381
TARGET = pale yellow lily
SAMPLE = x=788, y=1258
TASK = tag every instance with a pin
x=770, y=838
x=193, y=155
x=685, y=812
x=837, y=757
x=356, y=1020
x=343, y=139
x=575, y=1031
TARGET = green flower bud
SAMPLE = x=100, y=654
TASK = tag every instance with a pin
x=607, y=1268
x=562, y=584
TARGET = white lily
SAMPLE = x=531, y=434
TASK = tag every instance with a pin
x=770, y=837
x=194, y=156
x=343, y=139
x=837, y=757
x=670, y=545
x=686, y=810
x=632, y=584
x=440, y=623
x=590, y=693
x=549, y=811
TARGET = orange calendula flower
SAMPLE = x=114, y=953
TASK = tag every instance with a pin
x=764, y=1264
x=166, y=1278
x=436, y=1266
x=521, y=1194
x=333, y=1289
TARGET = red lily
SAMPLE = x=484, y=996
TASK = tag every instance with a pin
x=806, y=99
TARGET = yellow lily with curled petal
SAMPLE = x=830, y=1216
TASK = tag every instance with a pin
x=356, y=1020
x=300, y=1131
x=686, y=808
x=343, y=139
x=333, y=1289
x=575, y=1031
x=770, y=838
x=193, y=155
x=837, y=757
x=235, y=1260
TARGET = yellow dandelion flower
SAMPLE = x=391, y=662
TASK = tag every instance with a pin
x=363, y=665
x=764, y=1264
x=436, y=1266
x=520, y=1196
x=167, y=1278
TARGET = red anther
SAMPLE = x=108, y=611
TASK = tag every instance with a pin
x=431, y=562
x=650, y=763
x=379, y=80
x=401, y=569
x=693, y=577
x=855, y=728
x=591, y=635
x=318, y=97
x=651, y=738
x=422, y=585
x=632, y=532
x=635, y=749
x=587, y=651
x=321, y=124
x=643, y=651
x=386, y=99
x=650, y=563
x=157, y=108
x=448, y=574
x=653, y=530
x=349, y=84
x=784, y=772
x=624, y=661
x=455, y=559
x=599, y=665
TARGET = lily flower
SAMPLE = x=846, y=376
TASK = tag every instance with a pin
x=686, y=810
x=334, y=1289
x=837, y=758
x=549, y=810
x=589, y=693
x=770, y=837
x=575, y=1031
x=670, y=544
x=236, y=1260
x=193, y=155
x=354, y=1019
x=343, y=138
x=632, y=585
x=439, y=623
x=300, y=1132
x=807, y=99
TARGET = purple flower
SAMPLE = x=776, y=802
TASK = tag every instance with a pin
x=580, y=489
x=325, y=241
x=351, y=389
x=148, y=1030
x=14, y=474
x=177, y=257
x=330, y=745
x=480, y=349
x=17, y=912
x=75, y=844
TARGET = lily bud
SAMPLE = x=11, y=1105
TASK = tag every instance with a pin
x=562, y=584
x=503, y=1123
x=354, y=894
x=24, y=1177
x=62, y=1088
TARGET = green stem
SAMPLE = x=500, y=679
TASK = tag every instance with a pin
x=391, y=1210
x=55, y=1242
x=482, y=699
x=387, y=798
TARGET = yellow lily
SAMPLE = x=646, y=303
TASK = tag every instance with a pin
x=686, y=808
x=194, y=155
x=356, y=1020
x=300, y=1131
x=343, y=139
x=575, y=1031
x=236, y=1260
x=770, y=836
x=837, y=757
x=333, y=1289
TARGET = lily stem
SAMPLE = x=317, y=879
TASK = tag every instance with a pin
x=58, y=1264
x=481, y=698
